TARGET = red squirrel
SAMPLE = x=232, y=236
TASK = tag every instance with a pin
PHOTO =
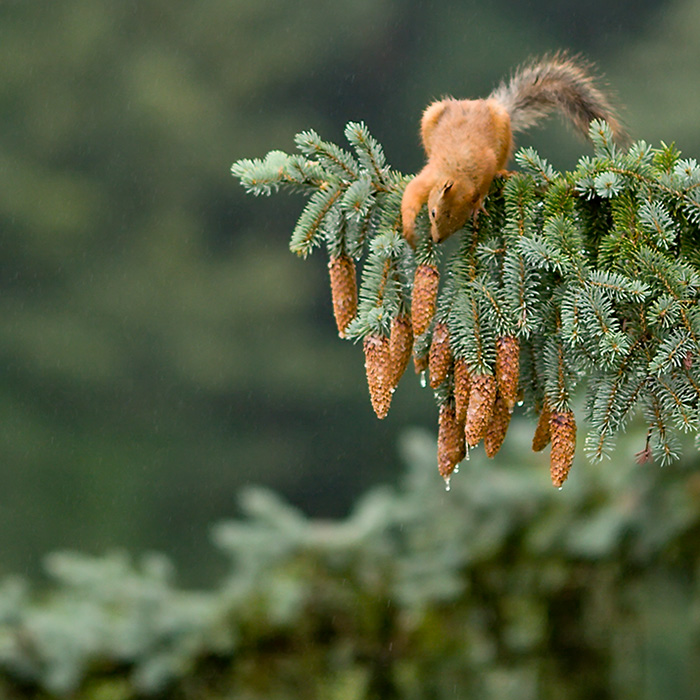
x=469, y=142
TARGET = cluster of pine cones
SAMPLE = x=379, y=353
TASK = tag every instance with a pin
x=480, y=405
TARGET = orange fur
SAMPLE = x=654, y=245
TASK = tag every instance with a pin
x=469, y=142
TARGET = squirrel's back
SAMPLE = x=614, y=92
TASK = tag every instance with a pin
x=551, y=83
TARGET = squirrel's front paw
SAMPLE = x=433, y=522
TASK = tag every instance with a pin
x=410, y=235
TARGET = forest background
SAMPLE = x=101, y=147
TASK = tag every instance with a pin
x=161, y=347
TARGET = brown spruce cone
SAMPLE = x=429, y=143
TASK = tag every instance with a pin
x=420, y=363
x=379, y=373
x=496, y=432
x=562, y=427
x=343, y=291
x=451, y=448
x=400, y=346
x=508, y=369
x=425, y=288
x=482, y=396
x=541, y=438
x=461, y=390
x=440, y=355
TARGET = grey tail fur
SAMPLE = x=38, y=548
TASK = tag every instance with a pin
x=556, y=82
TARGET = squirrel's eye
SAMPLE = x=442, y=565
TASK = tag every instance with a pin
x=433, y=213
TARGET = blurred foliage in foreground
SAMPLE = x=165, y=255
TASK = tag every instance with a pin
x=503, y=588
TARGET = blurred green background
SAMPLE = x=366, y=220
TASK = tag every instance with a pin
x=161, y=347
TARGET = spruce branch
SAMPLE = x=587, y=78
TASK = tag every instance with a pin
x=335, y=159
x=308, y=231
x=369, y=151
x=594, y=275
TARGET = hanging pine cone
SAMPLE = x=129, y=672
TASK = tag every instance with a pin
x=343, y=291
x=482, y=396
x=379, y=373
x=541, y=437
x=461, y=389
x=496, y=432
x=451, y=448
x=425, y=288
x=420, y=363
x=562, y=427
x=440, y=355
x=400, y=346
x=508, y=369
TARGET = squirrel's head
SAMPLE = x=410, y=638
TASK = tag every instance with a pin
x=450, y=203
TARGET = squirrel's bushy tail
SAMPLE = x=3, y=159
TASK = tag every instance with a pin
x=555, y=82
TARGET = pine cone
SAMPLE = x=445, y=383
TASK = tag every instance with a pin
x=379, y=373
x=562, y=427
x=425, y=288
x=343, y=291
x=508, y=369
x=440, y=356
x=461, y=390
x=451, y=448
x=482, y=396
x=400, y=346
x=542, y=437
x=496, y=432
x=420, y=363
